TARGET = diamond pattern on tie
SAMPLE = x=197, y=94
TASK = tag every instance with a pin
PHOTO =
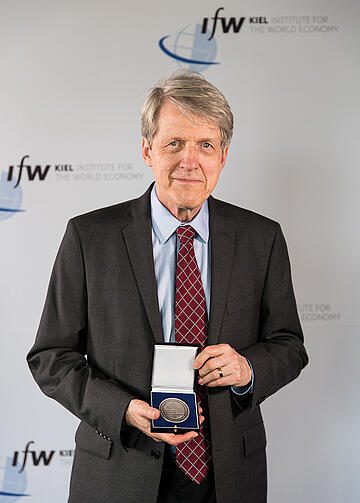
x=194, y=457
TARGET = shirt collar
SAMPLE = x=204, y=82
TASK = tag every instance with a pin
x=165, y=224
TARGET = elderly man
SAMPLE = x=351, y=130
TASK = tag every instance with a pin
x=118, y=286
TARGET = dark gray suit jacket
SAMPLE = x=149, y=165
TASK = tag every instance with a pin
x=93, y=350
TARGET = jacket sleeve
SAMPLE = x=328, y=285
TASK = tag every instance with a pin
x=279, y=355
x=58, y=359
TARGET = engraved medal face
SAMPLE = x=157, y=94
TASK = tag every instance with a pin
x=174, y=410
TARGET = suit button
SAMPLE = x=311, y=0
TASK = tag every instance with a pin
x=155, y=454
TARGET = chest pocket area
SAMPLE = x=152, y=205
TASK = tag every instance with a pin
x=242, y=303
x=241, y=320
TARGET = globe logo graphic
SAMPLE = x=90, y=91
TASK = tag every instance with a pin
x=10, y=200
x=12, y=483
x=191, y=48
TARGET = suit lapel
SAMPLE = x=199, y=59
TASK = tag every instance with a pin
x=222, y=242
x=137, y=235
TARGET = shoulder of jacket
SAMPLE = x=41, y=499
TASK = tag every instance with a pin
x=240, y=216
x=102, y=217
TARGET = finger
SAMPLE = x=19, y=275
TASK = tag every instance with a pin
x=208, y=352
x=215, y=374
x=214, y=363
x=222, y=381
x=233, y=375
x=150, y=412
x=170, y=437
x=173, y=439
x=185, y=438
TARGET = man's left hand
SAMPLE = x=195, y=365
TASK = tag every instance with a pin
x=234, y=367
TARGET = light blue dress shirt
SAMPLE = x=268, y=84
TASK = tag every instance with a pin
x=165, y=242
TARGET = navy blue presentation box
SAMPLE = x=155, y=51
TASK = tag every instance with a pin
x=173, y=376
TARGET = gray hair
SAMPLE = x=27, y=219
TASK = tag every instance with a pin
x=192, y=95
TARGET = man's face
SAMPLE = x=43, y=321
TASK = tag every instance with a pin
x=186, y=157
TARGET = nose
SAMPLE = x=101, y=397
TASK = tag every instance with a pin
x=189, y=157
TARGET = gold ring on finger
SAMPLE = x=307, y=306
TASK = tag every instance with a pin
x=220, y=372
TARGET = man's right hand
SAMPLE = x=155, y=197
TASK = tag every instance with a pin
x=139, y=414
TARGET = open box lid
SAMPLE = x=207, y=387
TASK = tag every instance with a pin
x=173, y=366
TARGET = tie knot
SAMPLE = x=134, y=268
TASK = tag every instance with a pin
x=185, y=233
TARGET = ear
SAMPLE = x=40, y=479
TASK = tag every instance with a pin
x=224, y=156
x=146, y=152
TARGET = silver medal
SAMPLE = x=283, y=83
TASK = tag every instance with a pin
x=174, y=410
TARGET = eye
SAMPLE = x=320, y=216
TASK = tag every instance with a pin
x=174, y=143
x=206, y=144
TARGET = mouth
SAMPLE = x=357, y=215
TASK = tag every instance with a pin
x=187, y=180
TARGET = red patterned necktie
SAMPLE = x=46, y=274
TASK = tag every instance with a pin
x=194, y=457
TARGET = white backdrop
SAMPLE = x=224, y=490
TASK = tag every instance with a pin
x=73, y=77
